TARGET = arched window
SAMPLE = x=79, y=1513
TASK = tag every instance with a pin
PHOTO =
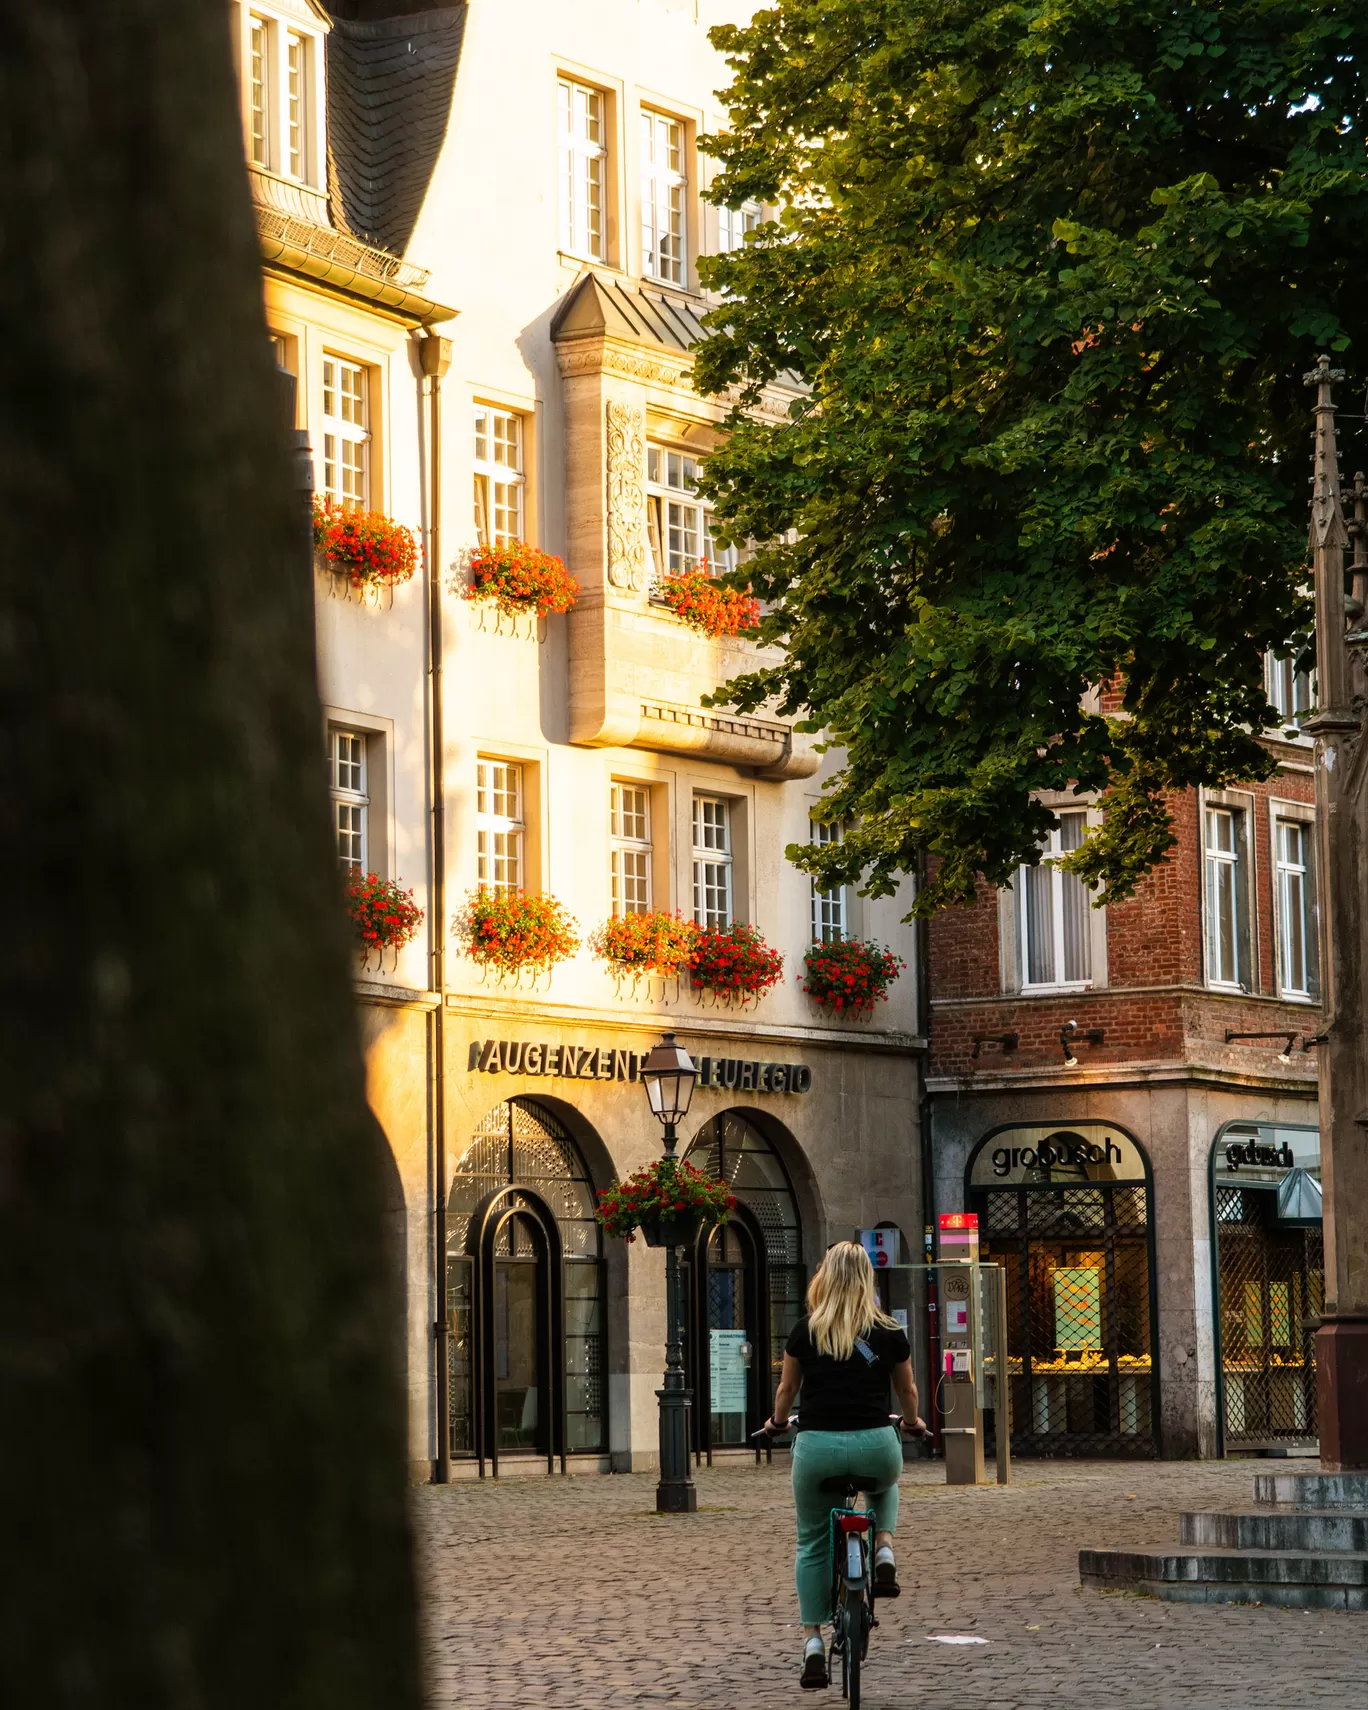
x=521, y=1145
x=752, y=1278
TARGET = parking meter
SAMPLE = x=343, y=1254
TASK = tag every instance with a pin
x=961, y=1342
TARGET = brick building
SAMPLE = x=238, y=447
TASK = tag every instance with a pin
x=1149, y=1177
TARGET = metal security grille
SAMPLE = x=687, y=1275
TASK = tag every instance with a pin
x=1272, y=1283
x=1080, y=1316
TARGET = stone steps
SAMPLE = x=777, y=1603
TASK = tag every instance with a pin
x=1318, y=1490
x=1313, y=1530
x=1304, y=1545
x=1291, y=1579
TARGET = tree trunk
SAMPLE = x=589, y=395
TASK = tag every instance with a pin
x=202, y=1471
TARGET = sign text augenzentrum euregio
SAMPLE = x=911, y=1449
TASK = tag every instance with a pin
x=574, y=1062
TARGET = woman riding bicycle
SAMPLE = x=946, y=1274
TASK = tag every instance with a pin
x=844, y=1355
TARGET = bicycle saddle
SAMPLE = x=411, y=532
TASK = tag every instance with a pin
x=840, y=1483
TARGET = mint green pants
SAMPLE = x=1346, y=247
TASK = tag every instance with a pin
x=819, y=1455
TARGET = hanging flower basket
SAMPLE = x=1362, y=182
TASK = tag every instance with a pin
x=734, y=962
x=848, y=976
x=518, y=578
x=512, y=931
x=708, y=605
x=366, y=547
x=384, y=914
x=655, y=943
x=669, y=1201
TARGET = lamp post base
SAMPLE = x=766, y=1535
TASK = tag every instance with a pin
x=1342, y=1393
x=677, y=1496
x=676, y=1493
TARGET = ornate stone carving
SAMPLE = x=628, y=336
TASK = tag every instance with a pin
x=626, y=496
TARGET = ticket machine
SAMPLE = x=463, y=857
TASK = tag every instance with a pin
x=962, y=1343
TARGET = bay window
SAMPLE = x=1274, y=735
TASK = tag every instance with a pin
x=678, y=522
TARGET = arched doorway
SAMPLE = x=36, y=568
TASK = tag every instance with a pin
x=524, y=1293
x=1066, y=1210
x=745, y=1285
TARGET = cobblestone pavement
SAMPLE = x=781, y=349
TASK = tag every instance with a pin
x=574, y=1594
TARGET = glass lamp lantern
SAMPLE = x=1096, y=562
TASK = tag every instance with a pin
x=669, y=1075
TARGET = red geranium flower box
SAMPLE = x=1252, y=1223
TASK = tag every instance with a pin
x=383, y=912
x=708, y=605
x=364, y=546
x=657, y=942
x=512, y=930
x=848, y=976
x=734, y=961
x=518, y=578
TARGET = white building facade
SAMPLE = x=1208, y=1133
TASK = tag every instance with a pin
x=537, y=169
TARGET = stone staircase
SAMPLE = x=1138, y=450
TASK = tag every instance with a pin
x=1303, y=1544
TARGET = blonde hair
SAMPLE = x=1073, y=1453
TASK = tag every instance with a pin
x=841, y=1301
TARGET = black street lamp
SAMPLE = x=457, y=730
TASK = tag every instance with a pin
x=669, y=1075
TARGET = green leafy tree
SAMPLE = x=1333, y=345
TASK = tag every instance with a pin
x=1051, y=274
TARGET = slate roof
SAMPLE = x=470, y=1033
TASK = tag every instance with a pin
x=390, y=85
x=596, y=307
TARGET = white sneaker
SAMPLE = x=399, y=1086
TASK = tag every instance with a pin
x=815, y=1663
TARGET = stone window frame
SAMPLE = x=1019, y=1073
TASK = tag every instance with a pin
x=1011, y=919
x=1304, y=813
x=1241, y=804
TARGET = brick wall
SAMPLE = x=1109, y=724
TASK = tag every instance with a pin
x=1155, y=1005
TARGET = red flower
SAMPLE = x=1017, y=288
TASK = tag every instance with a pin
x=707, y=605
x=510, y=930
x=364, y=546
x=519, y=578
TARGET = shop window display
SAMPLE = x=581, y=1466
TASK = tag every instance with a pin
x=1073, y=1235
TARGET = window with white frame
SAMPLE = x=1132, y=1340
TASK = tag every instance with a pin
x=1296, y=899
x=678, y=522
x=499, y=476
x=828, y=907
x=281, y=72
x=1290, y=692
x=348, y=786
x=346, y=433
x=629, y=829
x=712, y=861
x=259, y=33
x=1223, y=897
x=733, y=224
x=499, y=825
x=1056, y=931
x=663, y=187
x=583, y=169
x=298, y=91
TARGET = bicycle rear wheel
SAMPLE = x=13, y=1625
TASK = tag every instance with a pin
x=853, y=1654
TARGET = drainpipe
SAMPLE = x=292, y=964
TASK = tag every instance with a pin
x=434, y=357
x=928, y=1162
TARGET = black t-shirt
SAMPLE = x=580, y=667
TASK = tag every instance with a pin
x=847, y=1395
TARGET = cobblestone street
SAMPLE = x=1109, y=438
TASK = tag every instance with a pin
x=574, y=1594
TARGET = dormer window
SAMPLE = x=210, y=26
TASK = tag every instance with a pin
x=282, y=69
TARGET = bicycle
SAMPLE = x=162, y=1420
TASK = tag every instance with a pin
x=853, y=1591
